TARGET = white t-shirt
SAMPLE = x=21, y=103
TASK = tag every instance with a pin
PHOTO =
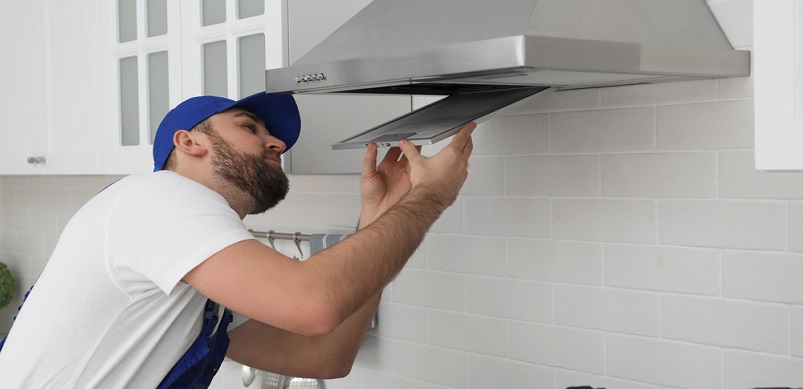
x=110, y=309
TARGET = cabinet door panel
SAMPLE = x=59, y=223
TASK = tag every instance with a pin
x=24, y=107
x=778, y=79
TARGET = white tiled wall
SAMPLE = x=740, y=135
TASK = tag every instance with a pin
x=615, y=237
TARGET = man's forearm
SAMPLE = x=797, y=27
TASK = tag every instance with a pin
x=361, y=266
x=331, y=355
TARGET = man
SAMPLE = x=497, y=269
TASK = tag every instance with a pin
x=132, y=281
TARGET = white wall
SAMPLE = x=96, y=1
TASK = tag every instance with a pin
x=616, y=238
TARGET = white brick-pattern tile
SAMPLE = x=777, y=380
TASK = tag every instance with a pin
x=702, y=126
x=552, y=176
x=630, y=129
x=432, y=364
x=659, y=175
x=467, y=254
x=372, y=379
x=556, y=261
x=726, y=323
x=725, y=224
x=512, y=135
x=666, y=269
x=795, y=226
x=510, y=299
x=748, y=370
x=561, y=347
x=797, y=331
x=507, y=216
x=674, y=364
x=611, y=310
x=567, y=378
x=476, y=334
x=413, y=287
x=763, y=277
x=403, y=322
x=738, y=178
x=631, y=221
x=488, y=372
x=486, y=177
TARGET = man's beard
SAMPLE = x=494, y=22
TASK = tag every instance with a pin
x=253, y=174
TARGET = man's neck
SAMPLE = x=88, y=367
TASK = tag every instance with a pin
x=238, y=200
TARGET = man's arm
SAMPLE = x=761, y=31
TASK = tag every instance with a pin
x=328, y=299
x=332, y=355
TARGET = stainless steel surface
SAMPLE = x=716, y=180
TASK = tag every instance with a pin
x=441, y=119
x=248, y=375
x=273, y=381
x=278, y=381
x=432, y=47
x=305, y=383
x=271, y=235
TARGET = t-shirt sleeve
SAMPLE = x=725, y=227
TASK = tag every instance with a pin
x=162, y=227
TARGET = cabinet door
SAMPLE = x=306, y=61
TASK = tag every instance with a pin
x=24, y=102
x=144, y=68
x=327, y=119
x=54, y=87
x=778, y=78
x=215, y=47
x=78, y=48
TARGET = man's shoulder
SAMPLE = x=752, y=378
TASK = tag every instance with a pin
x=159, y=182
x=158, y=191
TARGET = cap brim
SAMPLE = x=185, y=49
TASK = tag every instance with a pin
x=279, y=112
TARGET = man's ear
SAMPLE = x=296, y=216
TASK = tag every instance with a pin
x=186, y=142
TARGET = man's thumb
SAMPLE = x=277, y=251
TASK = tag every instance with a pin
x=408, y=149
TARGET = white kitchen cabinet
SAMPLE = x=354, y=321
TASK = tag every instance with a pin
x=24, y=104
x=218, y=47
x=778, y=77
x=78, y=73
x=77, y=87
x=327, y=119
x=53, y=87
x=143, y=63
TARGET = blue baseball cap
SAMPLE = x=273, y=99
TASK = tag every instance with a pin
x=278, y=111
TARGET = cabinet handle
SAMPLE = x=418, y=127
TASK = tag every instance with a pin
x=37, y=160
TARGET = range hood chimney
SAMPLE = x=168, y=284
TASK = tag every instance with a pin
x=447, y=47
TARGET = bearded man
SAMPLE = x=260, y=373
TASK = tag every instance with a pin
x=129, y=298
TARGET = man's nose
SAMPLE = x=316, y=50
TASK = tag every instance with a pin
x=274, y=143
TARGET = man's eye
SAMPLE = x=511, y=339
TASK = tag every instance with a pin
x=251, y=127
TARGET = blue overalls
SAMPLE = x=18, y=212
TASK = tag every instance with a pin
x=3, y=341
x=198, y=366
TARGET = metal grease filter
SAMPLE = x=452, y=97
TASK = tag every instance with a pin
x=278, y=381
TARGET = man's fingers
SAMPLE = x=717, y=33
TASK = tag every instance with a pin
x=463, y=137
x=409, y=150
x=469, y=147
x=392, y=154
x=369, y=163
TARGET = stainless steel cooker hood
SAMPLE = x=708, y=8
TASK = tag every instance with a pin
x=446, y=47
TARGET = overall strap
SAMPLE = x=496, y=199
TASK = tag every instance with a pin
x=198, y=366
x=19, y=308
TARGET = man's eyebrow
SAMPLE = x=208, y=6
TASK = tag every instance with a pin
x=250, y=115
